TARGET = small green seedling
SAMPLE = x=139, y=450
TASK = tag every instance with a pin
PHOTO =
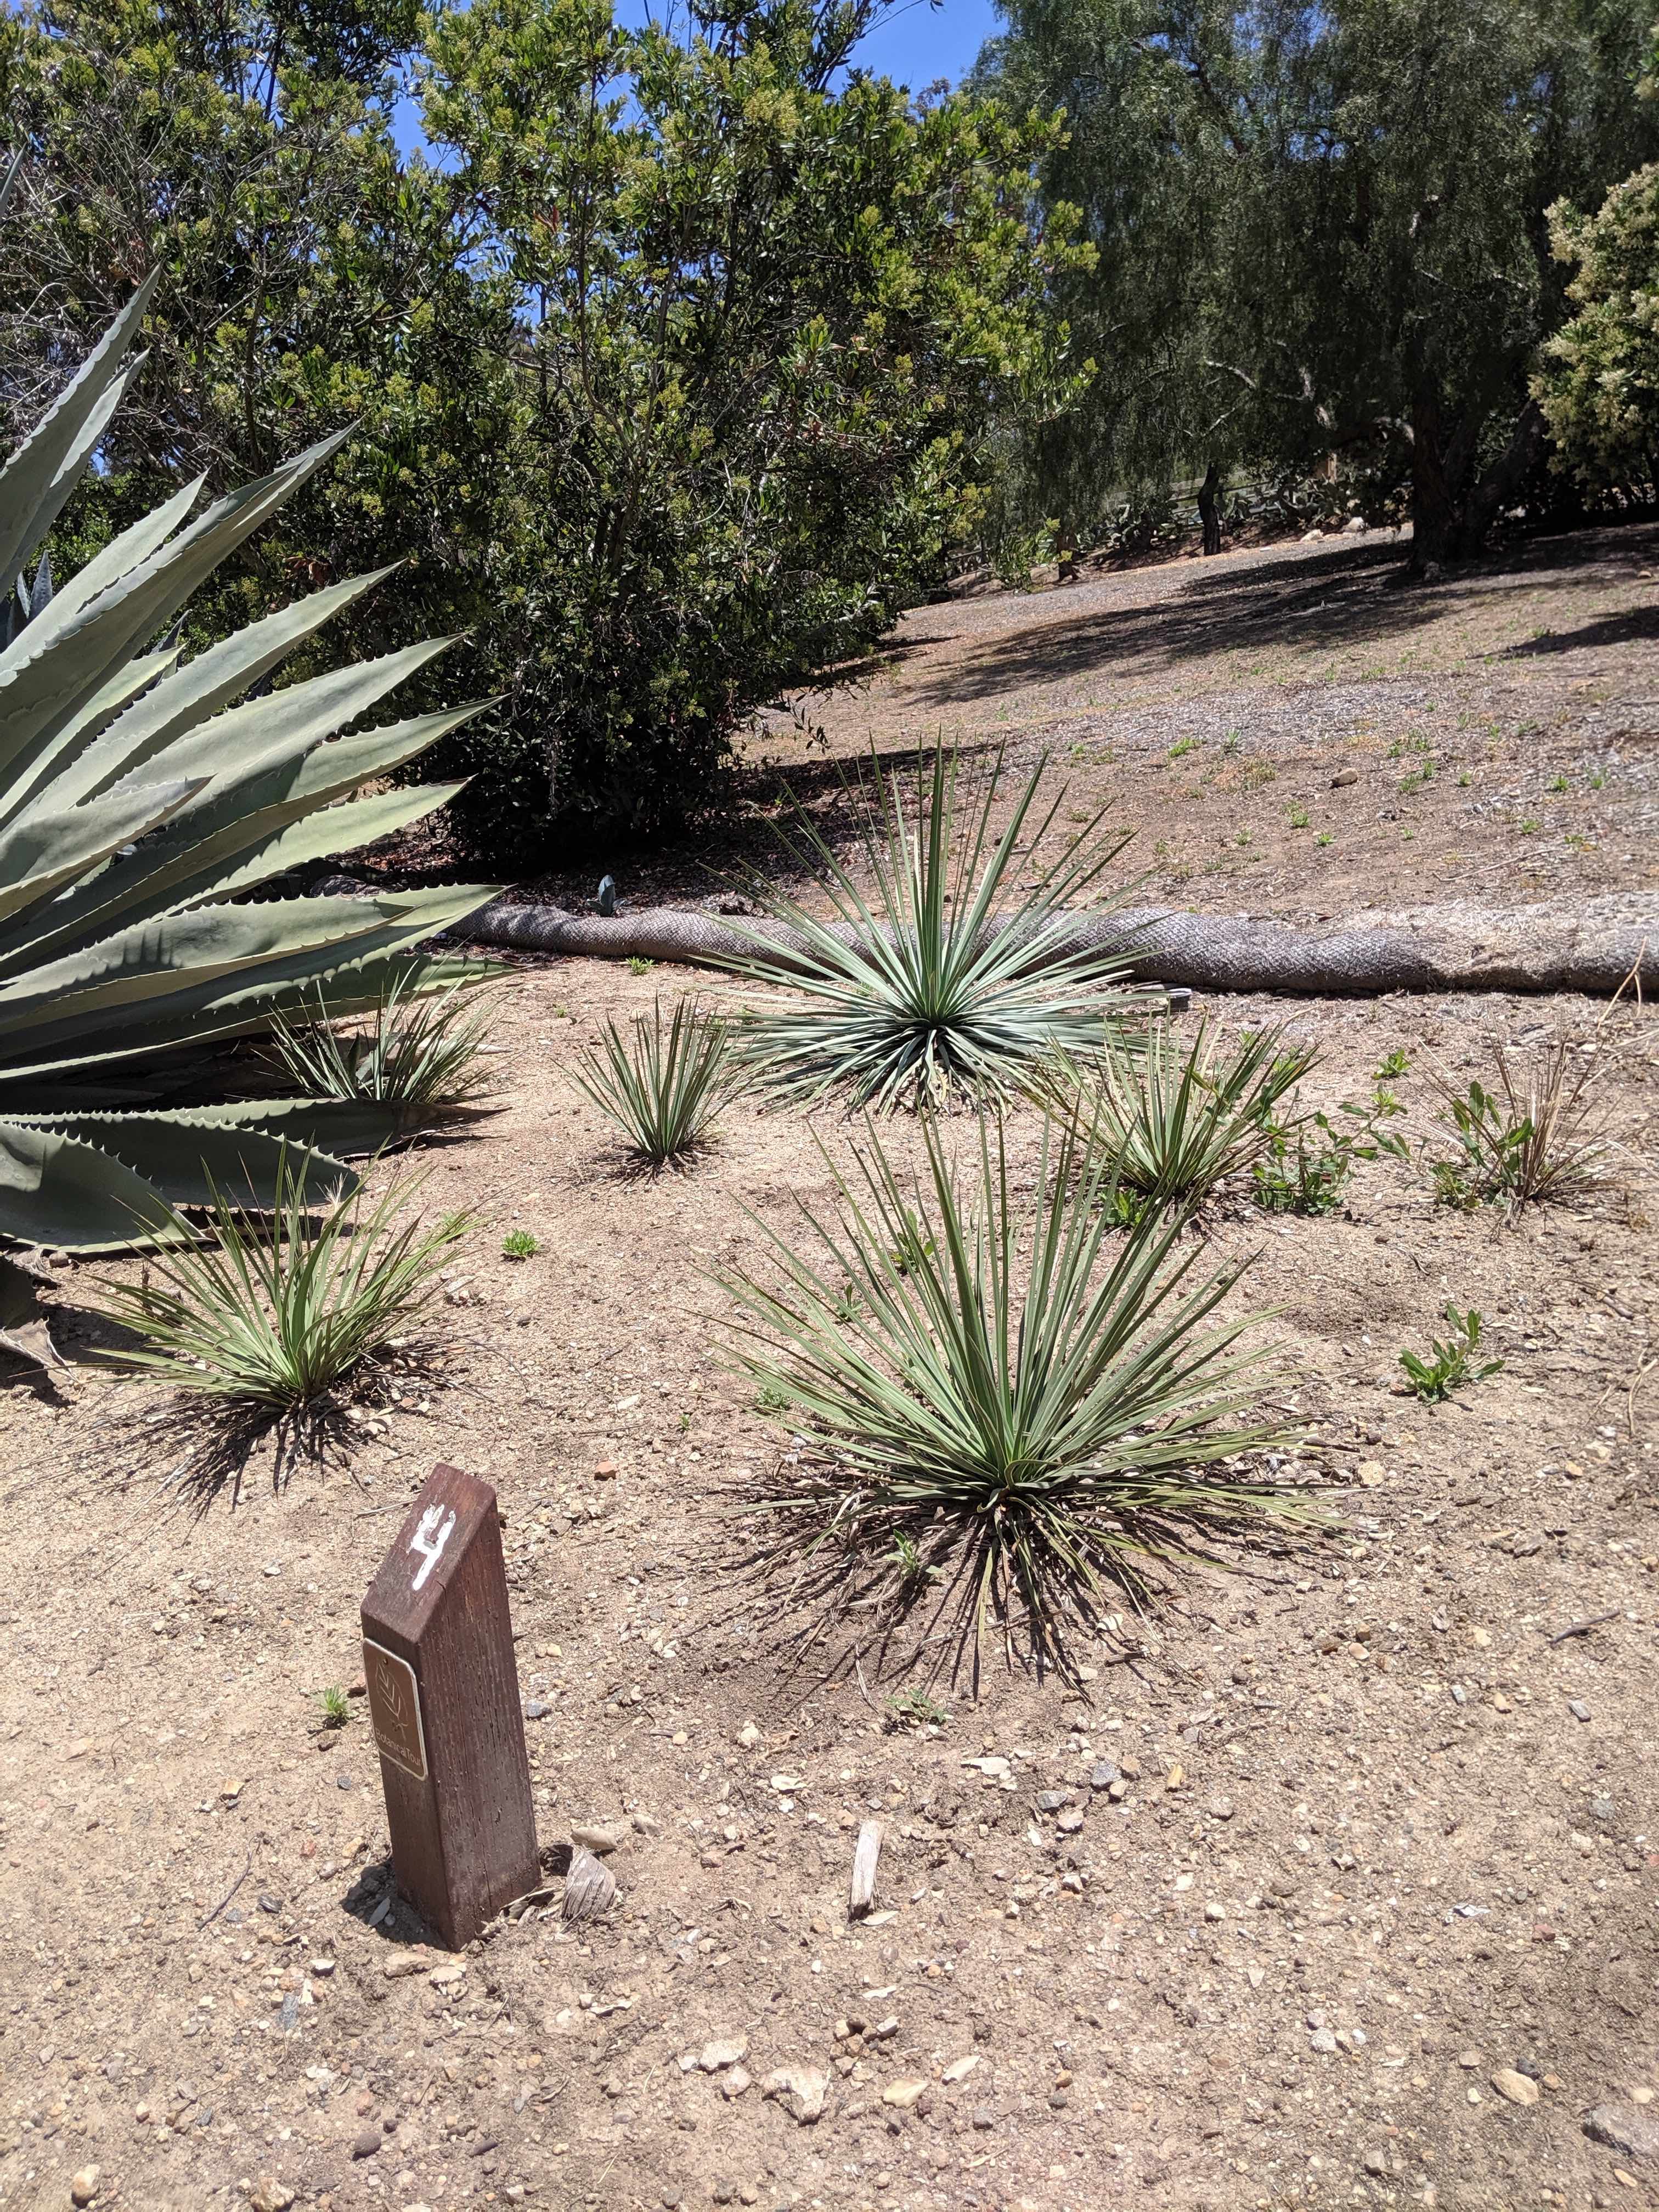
x=915, y=1709
x=773, y=1398
x=637, y=965
x=907, y=1560
x=1392, y=1064
x=1310, y=1158
x=1451, y=1366
x=335, y=1708
x=1298, y=817
x=520, y=1244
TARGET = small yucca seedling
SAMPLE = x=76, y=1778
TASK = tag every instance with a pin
x=1531, y=1139
x=421, y=1054
x=335, y=1708
x=950, y=977
x=520, y=1244
x=1449, y=1366
x=279, y=1309
x=1173, y=1125
x=662, y=1091
x=1019, y=1417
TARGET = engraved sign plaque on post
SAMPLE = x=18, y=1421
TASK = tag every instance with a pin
x=443, y=1701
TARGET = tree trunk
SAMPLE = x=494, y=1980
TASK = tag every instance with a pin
x=1503, y=479
x=1209, y=510
x=1434, y=505
x=1065, y=552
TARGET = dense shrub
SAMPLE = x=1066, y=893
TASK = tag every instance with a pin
x=665, y=372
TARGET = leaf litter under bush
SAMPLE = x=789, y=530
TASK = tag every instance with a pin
x=1012, y=1417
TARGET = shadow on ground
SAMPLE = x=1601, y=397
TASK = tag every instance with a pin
x=1357, y=595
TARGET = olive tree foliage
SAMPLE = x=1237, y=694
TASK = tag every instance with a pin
x=1599, y=385
x=1321, y=228
x=767, y=306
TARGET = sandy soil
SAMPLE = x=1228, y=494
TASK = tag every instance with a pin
x=1380, y=1856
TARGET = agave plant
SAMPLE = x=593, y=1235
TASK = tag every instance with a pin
x=1174, y=1124
x=1008, y=1416
x=948, y=977
x=139, y=803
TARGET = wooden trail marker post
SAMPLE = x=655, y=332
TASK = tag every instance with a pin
x=443, y=1699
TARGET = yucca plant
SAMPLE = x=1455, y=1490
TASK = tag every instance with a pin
x=951, y=976
x=1533, y=1137
x=662, y=1091
x=1174, y=1124
x=419, y=1053
x=139, y=804
x=1010, y=1416
x=277, y=1310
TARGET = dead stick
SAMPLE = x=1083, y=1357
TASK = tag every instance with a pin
x=226, y=1898
x=1582, y=1627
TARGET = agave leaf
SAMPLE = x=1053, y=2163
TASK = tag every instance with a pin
x=347, y=1127
x=188, y=1157
x=300, y=716
x=195, y=953
x=127, y=685
x=231, y=836
x=125, y=553
x=46, y=467
x=323, y=834
x=208, y=683
x=227, y=997
x=54, y=667
x=40, y=851
x=60, y=1191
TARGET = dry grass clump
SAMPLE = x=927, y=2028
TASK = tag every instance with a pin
x=1533, y=1137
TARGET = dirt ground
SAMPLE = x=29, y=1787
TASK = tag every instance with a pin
x=1363, y=1909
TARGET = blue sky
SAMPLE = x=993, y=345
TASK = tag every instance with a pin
x=920, y=43
x=914, y=46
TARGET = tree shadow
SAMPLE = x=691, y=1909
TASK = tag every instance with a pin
x=759, y=835
x=1354, y=596
x=1635, y=626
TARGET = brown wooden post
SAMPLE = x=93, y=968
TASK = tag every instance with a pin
x=443, y=1699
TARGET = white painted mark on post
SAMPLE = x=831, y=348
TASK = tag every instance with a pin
x=429, y=1540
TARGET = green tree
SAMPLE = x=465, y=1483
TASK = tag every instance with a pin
x=767, y=306
x=310, y=280
x=1329, y=217
x=1598, y=385
x=665, y=374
